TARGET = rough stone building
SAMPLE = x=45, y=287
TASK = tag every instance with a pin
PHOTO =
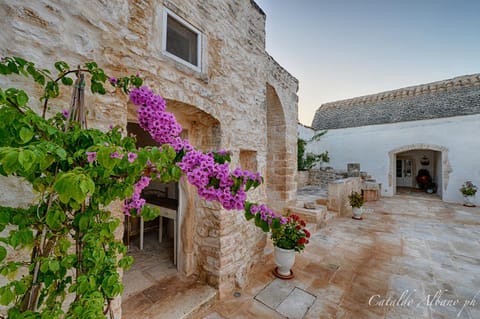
x=395, y=134
x=208, y=60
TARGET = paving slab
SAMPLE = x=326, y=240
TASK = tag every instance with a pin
x=405, y=244
x=296, y=305
x=275, y=293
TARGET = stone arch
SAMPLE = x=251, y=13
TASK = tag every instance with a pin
x=195, y=220
x=445, y=169
x=276, y=177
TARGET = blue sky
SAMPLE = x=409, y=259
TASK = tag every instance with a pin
x=340, y=49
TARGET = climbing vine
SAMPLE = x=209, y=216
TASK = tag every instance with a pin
x=76, y=173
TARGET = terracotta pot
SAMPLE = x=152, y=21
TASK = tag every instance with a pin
x=284, y=259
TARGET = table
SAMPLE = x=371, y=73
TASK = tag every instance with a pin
x=165, y=212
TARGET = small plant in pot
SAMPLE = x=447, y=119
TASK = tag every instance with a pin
x=356, y=201
x=289, y=238
x=468, y=191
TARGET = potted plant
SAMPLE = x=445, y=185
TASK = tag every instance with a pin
x=468, y=190
x=356, y=201
x=289, y=238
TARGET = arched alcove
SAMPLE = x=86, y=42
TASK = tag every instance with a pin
x=277, y=165
x=438, y=163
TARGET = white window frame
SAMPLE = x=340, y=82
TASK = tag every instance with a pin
x=166, y=13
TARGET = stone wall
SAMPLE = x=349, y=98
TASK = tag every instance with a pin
x=338, y=192
x=282, y=119
x=222, y=106
x=321, y=177
x=302, y=179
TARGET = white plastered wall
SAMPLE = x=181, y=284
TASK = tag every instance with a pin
x=375, y=147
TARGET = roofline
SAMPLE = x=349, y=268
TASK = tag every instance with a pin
x=443, y=85
x=257, y=7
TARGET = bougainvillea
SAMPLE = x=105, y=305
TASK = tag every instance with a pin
x=209, y=172
x=77, y=173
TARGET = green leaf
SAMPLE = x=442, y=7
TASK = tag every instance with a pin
x=63, y=246
x=4, y=69
x=44, y=267
x=67, y=81
x=20, y=287
x=40, y=79
x=264, y=226
x=20, y=61
x=12, y=67
x=10, y=161
x=91, y=66
x=276, y=224
x=3, y=253
x=6, y=295
x=54, y=265
x=61, y=66
x=55, y=219
x=87, y=185
x=26, y=134
x=26, y=158
x=22, y=98
x=258, y=220
x=4, y=217
x=149, y=212
x=83, y=223
x=249, y=215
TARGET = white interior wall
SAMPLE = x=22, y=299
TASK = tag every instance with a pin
x=370, y=146
x=438, y=172
x=416, y=156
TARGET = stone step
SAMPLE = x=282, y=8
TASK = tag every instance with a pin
x=315, y=216
x=312, y=228
x=309, y=200
x=171, y=299
x=331, y=215
x=322, y=201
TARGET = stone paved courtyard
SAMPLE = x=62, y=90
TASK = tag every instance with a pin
x=409, y=258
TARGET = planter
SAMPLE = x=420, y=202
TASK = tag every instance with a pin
x=468, y=200
x=284, y=259
x=357, y=213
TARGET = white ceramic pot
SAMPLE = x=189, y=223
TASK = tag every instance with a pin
x=357, y=212
x=469, y=200
x=284, y=259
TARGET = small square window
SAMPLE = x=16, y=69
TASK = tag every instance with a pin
x=181, y=41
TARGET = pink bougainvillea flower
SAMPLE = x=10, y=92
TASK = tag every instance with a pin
x=91, y=156
x=65, y=113
x=113, y=80
x=116, y=155
x=132, y=157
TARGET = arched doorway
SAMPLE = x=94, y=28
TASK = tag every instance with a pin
x=418, y=168
x=203, y=131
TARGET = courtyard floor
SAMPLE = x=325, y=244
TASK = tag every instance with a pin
x=409, y=258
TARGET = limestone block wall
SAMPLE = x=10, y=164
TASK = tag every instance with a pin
x=338, y=192
x=124, y=37
x=282, y=119
x=302, y=179
x=321, y=177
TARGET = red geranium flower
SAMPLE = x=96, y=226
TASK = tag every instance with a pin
x=302, y=241
x=307, y=233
